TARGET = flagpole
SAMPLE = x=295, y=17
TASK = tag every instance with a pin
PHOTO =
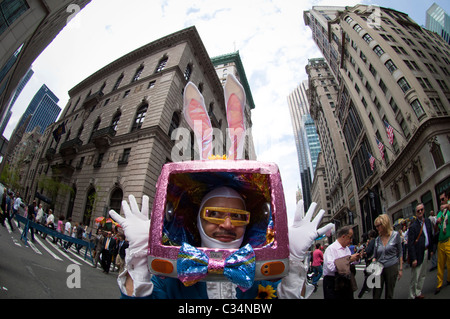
x=385, y=146
x=396, y=129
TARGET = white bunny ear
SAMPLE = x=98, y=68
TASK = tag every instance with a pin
x=195, y=113
x=235, y=101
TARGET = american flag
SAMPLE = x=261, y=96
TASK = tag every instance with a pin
x=372, y=162
x=390, y=132
x=381, y=148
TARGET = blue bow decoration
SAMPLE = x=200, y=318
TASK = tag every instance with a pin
x=194, y=265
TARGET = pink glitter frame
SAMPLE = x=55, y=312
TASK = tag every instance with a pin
x=279, y=251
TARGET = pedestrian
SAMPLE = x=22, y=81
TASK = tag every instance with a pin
x=99, y=242
x=368, y=254
x=3, y=206
x=68, y=232
x=107, y=252
x=404, y=236
x=420, y=243
x=317, y=265
x=435, y=235
x=122, y=245
x=80, y=232
x=32, y=211
x=50, y=222
x=39, y=216
x=443, y=248
x=60, y=229
x=336, y=251
x=16, y=206
x=388, y=251
x=9, y=205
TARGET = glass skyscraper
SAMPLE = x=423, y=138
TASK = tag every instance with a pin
x=43, y=110
x=306, y=139
x=437, y=20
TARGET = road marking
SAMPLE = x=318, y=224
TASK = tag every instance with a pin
x=48, y=250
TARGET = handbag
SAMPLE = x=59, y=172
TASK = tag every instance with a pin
x=375, y=267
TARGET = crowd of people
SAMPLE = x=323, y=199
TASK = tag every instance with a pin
x=420, y=242
x=108, y=246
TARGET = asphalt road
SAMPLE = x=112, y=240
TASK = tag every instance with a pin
x=402, y=286
x=44, y=271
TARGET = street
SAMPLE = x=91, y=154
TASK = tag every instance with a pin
x=42, y=270
x=401, y=288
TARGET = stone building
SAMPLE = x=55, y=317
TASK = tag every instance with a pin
x=121, y=123
x=392, y=73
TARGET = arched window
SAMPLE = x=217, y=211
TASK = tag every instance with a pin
x=162, y=64
x=174, y=123
x=115, y=202
x=115, y=120
x=116, y=86
x=95, y=127
x=139, y=118
x=138, y=73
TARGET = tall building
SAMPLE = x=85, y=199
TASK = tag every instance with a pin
x=306, y=140
x=26, y=29
x=437, y=20
x=232, y=64
x=335, y=188
x=393, y=105
x=43, y=108
x=15, y=96
x=120, y=124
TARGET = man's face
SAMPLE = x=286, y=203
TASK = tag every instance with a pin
x=348, y=238
x=224, y=232
x=420, y=211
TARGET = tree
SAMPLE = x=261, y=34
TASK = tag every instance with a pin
x=53, y=187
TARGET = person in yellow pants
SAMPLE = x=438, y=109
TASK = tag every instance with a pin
x=443, y=249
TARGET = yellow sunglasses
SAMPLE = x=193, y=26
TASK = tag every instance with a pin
x=217, y=215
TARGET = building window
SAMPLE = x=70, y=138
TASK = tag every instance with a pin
x=115, y=202
x=138, y=73
x=378, y=50
x=127, y=92
x=151, y=84
x=125, y=156
x=115, y=121
x=357, y=27
x=188, y=72
x=174, y=123
x=116, y=86
x=10, y=11
x=367, y=38
x=162, y=64
x=404, y=85
x=436, y=152
x=390, y=66
x=416, y=174
x=98, y=163
x=418, y=109
x=140, y=116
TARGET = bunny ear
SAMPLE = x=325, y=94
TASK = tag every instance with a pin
x=196, y=116
x=235, y=100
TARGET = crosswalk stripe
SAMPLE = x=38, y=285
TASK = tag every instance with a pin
x=47, y=249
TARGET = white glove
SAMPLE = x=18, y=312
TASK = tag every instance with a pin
x=136, y=227
x=302, y=234
x=303, y=231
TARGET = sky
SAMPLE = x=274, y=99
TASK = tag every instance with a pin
x=272, y=39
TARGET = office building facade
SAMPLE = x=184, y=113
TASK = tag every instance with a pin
x=437, y=20
x=392, y=107
x=304, y=132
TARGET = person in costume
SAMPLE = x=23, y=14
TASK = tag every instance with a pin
x=222, y=222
